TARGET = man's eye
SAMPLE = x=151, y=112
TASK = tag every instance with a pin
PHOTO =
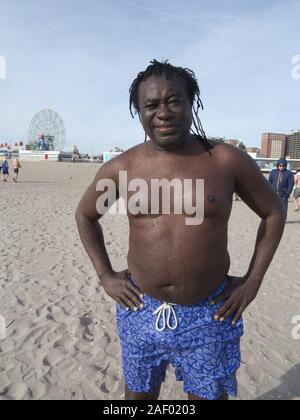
x=151, y=106
x=174, y=101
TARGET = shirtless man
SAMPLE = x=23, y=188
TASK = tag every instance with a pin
x=176, y=302
x=16, y=166
x=297, y=191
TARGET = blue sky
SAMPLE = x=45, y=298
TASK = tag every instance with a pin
x=80, y=57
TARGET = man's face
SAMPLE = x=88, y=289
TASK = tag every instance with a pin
x=281, y=167
x=165, y=110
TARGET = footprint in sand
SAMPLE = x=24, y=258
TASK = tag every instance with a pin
x=89, y=327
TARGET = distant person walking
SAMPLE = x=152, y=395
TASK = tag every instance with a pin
x=297, y=190
x=16, y=166
x=5, y=170
x=282, y=181
x=75, y=154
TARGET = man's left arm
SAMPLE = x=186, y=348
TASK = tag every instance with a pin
x=258, y=194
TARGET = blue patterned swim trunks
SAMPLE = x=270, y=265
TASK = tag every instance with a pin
x=204, y=352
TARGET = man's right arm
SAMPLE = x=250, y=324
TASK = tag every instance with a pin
x=116, y=285
x=87, y=219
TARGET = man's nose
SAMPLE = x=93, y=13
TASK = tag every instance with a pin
x=163, y=112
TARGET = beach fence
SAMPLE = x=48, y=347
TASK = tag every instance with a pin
x=39, y=155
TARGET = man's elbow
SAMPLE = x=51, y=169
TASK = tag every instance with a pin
x=280, y=213
x=80, y=217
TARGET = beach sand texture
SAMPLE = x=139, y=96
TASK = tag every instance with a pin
x=62, y=341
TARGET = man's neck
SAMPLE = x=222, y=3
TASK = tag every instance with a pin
x=177, y=149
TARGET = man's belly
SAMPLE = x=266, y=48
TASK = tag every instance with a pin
x=179, y=267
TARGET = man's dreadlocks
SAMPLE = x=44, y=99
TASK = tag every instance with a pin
x=157, y=68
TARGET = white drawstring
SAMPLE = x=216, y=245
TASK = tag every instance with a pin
x=161, y=312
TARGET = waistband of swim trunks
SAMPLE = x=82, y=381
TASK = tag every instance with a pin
x=220, y=289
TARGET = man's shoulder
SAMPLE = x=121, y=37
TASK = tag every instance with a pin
x=226, y=153
x=127, y=158
x=224, y=147
x=134, y=151
x=235, y=162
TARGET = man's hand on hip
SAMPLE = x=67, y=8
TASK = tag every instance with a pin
x=238, y=295
x=120, y=288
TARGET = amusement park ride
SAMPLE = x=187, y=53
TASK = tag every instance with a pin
x=46, y=141
x=46, y=137
x=47, y=131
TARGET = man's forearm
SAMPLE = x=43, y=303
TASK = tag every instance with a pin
x=268, y=239
x=91, y=235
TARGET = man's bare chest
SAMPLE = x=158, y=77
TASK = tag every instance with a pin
x=186, y=190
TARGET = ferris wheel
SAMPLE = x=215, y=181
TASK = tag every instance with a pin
x=47, y=131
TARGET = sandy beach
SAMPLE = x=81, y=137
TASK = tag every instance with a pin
x=62, y=341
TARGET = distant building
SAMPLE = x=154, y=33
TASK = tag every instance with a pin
x=217, y=139
x=233, y=142
x=293, y=146
x=253, y=150
x=273, y=145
